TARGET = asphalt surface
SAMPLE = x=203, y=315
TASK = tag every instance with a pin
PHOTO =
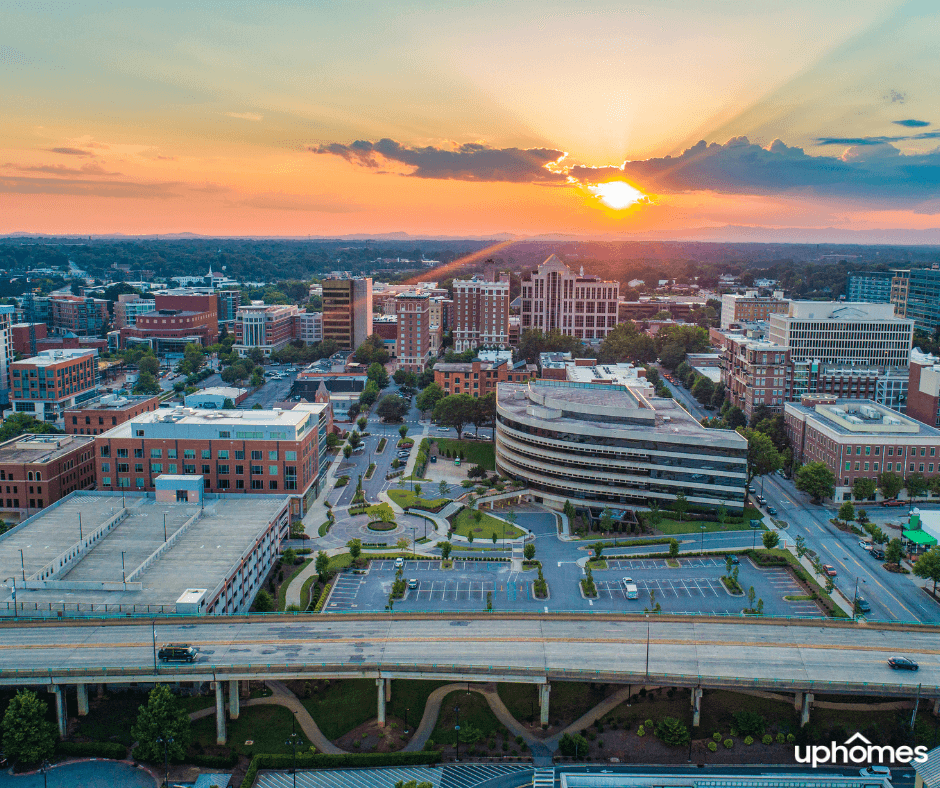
x=701, y=651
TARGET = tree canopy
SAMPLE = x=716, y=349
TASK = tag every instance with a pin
x=817, y=480
x=161, y=717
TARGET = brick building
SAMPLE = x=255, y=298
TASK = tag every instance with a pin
x=751, y=306
x=100, y=415
x=923, y=389
x=481, y=314
x=266, y=327
x=860, y=439
x=479, y=377
x=50, y=382
x=308, y=327
x=414, y=331
x=38, y=470
x=235, y=451
x=26, y=335
x=128, y=307
x=180, y=318
x=81, y=315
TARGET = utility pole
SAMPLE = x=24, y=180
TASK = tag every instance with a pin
x=647, y=646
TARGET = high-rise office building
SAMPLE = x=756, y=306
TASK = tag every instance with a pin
x=414, y=331
x=555, y=297
x=869, y=286
x=481, y=314
x=915, y=294
x=347, y=311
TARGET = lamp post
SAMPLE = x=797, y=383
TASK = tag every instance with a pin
x=14, y=593
x=702, y=527
x=23, y=565
x=457, y=728
x=647, y=645
x=855, y=599
x=406, y=718
x=79, y=526
x=153, y=628
x=294, y=741
x=123, y=574
x=166, y=741
x=44, y=768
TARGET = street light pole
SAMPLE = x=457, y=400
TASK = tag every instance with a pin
x=457, y=728
x=702, y=527
x=166, y=742
x=293, y=742
x=647, y=646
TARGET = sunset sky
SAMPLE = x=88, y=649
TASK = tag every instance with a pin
x=328, y=118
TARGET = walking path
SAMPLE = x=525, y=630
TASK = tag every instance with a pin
x=604, y=707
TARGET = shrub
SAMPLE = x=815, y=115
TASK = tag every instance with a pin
x=91, y=749
x=781, y=738
x=748, y=740
x=729, y=743
x=641, y=731
x=672, y=731
x=716, y=736
x=768, y=739
x=712, y=746
x=648, y=723
x=790, y=738
x=749, y=723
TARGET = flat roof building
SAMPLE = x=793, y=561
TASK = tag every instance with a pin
x=53, y=381
x=38, y=470
x=95, y=553
x=601, y=444
x=214, y=397
x=100, y=415
x=750, y=306
x=860, y=439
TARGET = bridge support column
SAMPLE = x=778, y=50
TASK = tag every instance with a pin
x=60, y=713
x=807, y=702
x=82, y=692
x=220, y=736
x=234, y=701
x=388, y=690
x=380, y=683
x=936, y=707
x=544, y=690
x=696, y=706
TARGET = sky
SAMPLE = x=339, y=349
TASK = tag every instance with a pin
x=328, y=118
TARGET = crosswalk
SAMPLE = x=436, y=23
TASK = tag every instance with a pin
x=461, y=775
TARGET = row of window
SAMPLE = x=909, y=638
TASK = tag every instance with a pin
x=206, y=454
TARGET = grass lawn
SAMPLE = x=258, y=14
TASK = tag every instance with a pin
x=671, y=527
x=409, y=697
x=718, y=706
x=488, y=525
x=341, y=706
x=267, y=726
x=474, y=710
x=479, y=453
x=406, y=498
x=288, y=576
x=568, y=701
x=112, y=720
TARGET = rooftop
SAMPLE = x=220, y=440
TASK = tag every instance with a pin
x=205, y=553
x=861, y=417
x=115, y=402
x=46, y=358
x=41, y=448
x=838, y=311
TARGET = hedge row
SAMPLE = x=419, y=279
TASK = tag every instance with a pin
x=323, y=597
x=345, y=761
x=213, y=761
x=91, y=749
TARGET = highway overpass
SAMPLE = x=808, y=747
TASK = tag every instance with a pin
x=800, y=657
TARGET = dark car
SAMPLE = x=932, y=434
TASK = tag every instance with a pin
x=177, y=652
x=771, y=510
x=903, y=663
x=734, y=560
x=413, y=583
x=877, y=552
x=862, y=605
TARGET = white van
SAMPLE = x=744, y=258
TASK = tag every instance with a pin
x=629, y=588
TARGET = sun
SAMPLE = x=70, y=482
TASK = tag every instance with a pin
x=616, y=194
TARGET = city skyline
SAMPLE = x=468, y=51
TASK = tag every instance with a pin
x=649, y=120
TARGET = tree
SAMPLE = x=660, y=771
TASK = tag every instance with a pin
x=28, y=736
x=404, y=378
x=361, y=423
x=369, y=394
x=626, y=343
x=392, y=408
x=413, y=784
x=484, y=411
x=861, y=516
x=598, y=548
x=403, y=430
x=528, y=552
x=734, y=417
x=762, y=455
x=381, y=512
x=703, y=390
x=718, y=395
x=355, y=548
x=846, y=512
x=161, y=717
x=935, y=485
x=656, y=516
x=770, y=539
x=916, y=485
x=256, y=354
x=322, y=564
x=347, y=451
x=228, y=404
x=927, y=566
x=264, y=603
x=494, y=537
x=894, y=552
x=681, y=505
x=673, y=548
x=800, y=542
x=429, y=397
x=402, y=543
x=446, y=547
x=863, y=489
x=816, y=480
x=149, y=364
x=289, y=556
x=377, y=374
x=751, y=596
x=573, y=746
x=146, y=384
x=455, y=410
x=890, y=484
x=418, y=490
x=672, y=731
x=607, y=519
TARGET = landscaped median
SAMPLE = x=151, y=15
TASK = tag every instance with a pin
x=407, y=499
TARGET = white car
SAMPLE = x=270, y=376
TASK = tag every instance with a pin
x=875, y=771
x=399, y=562
x=627, y=581
x=865, y=545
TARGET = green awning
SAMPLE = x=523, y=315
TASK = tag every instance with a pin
x=919, y=537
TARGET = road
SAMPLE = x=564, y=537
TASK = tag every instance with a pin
x=829, y=657
x=685, y=399
x=893, y=597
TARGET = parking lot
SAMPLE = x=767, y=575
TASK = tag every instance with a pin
x=659, y=563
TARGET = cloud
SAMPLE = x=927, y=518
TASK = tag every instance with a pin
x=69, y=151
x=323, y=203
x=911, y=123
x=742, y=167
x=896, y=96
x=87, y=187
x=924, y=135
x=469, y=162
x=245, y=115
x=92, y=168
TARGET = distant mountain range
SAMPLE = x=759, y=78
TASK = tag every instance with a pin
x=724, y=234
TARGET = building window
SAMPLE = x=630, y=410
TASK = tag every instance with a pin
x=121, y=453
x=156, y=454
x=123, y=467
x=156, y=467
x=106, y=467
x=223, y=454
x=206, y=454
x=272, y=470
x=257, y=484
x=206, y=470
x=239, y=484
x=256, y=455
x=291, y=456
x=171, y=467
x=239, y=454
x=106, y=481
x=272, y=455
x=189, y=468
x=189, y=454
x=139, y=482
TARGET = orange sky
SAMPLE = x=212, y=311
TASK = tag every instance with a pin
x=166, y=119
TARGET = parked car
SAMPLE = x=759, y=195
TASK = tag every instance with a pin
x=413, y=583
x=862, y=604
x=433, y=458
x=876, y=771
x=829, y=570
x=892, y=502
x=771, y=510
x=399, y=562
x=865, y=545
x=877, y=552
x=734, y=560
x=903, y=663
x=457, y=461
x=761, y=500
x=751, y=489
